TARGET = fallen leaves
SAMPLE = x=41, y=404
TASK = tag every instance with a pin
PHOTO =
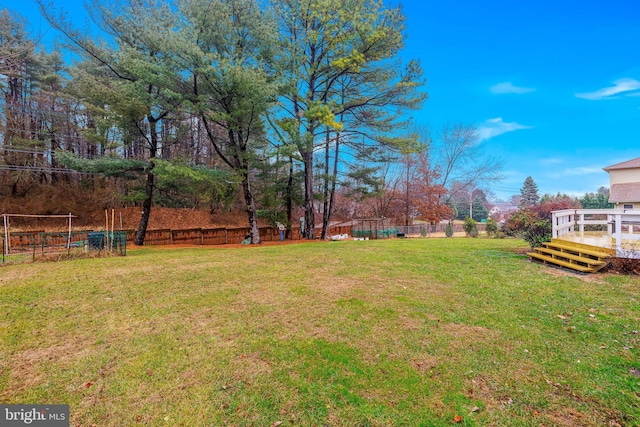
x=457, y=419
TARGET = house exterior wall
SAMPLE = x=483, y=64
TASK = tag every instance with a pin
x=622, y=176
x=635, y=206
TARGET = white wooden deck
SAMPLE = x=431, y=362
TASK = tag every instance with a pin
x=620, y=229
x=592, y=238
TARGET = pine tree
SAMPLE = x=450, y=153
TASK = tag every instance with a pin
x=344, y=84
x=480, y=212
x=529, y=194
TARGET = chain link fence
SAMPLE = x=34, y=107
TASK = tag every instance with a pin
x=18, y=247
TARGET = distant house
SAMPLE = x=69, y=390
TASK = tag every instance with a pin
x=501, y=210
x=624, y=184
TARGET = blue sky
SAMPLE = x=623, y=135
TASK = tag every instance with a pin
x=553, y=86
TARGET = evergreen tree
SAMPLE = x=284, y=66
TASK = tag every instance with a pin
x=343, y=79
x=130, y=83
x=18, y=62
x=529, y=194
x=226, y=49
x=480, y=212
x=598, y=200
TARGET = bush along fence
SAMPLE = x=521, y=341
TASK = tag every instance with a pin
x=217, y=236
x=35, y=245
x=31, y=245
x=426, y=229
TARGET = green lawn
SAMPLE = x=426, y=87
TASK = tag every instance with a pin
x=369, y=333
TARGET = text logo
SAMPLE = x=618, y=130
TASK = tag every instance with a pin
x=34, y=415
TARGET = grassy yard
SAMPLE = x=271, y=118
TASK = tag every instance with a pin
x=429, y=332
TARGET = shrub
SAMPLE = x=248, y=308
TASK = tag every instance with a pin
x=448, y=231
x=624, y=265
x=538, y=232
x=470, y=227
x=491, y=227
x=527, y=224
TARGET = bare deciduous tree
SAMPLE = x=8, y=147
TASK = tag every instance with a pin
x=461, y=158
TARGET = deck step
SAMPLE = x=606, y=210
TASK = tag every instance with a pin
x=580, y=250
x=571, y=244
x=566, y=264
x=576, y=256
x=570, y=256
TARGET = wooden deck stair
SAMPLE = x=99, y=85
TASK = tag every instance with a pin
x=576, y=256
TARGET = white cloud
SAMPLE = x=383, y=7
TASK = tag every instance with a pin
x=497, y=126
x=508, y=87
x=576, y=171
x=620, y=86
x=582, y=171
x=552, y=161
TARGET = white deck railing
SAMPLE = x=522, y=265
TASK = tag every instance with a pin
x=622, y=225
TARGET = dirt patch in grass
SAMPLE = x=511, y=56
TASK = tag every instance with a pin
x=561, y=272
x=480, y=388
x=461, y=331
x=251, y=365
x=26, y=369
x=425, y=363
x=467, y=337
x=568, y=417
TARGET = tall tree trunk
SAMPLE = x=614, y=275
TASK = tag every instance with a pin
x=54, y=161
x=309, y=217
x=325, y=198
x=146, y=205
x=251, y=210
x=334, y=178
x=330, y=191
x=407, y=199
x=146, y=208
x=289, y=200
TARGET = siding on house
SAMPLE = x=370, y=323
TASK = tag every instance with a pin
x=624, y=183
x=624, y=176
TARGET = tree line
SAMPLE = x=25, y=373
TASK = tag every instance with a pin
x=290, y=104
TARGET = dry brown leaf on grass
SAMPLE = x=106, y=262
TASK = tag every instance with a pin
x=276, y=424
x=457, y=419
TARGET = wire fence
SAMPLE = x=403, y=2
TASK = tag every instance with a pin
x=18, y=247
x=30, y=246
x=426, y=229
